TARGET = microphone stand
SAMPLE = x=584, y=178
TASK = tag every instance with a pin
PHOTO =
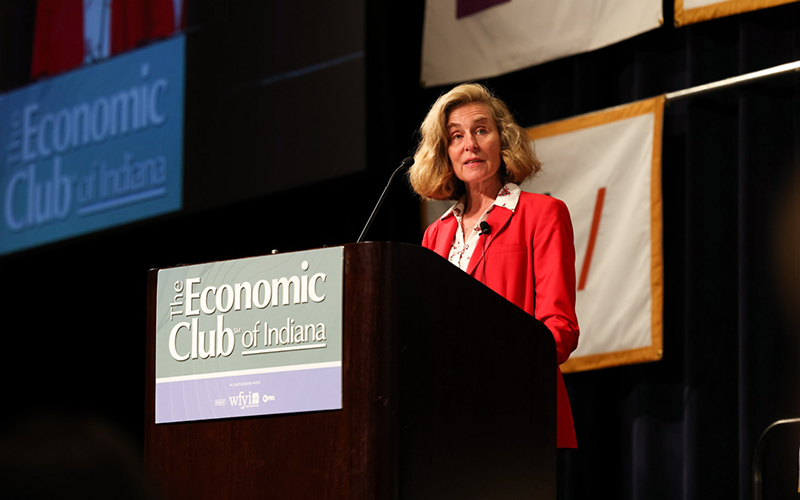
x=405, y=163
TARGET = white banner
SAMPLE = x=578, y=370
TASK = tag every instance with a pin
x=694, y=11
x=606, y=167
x=473, y=39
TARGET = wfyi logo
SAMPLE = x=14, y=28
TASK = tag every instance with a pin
x=242, y=400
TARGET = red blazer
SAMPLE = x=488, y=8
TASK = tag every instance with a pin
x=528, y=258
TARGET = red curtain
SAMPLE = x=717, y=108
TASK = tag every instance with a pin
x=58, y=37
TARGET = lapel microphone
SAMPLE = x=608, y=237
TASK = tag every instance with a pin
x=486, y=229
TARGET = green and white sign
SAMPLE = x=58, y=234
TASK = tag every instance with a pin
x=254, y=336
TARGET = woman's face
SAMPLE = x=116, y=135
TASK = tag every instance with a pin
x=474, y=144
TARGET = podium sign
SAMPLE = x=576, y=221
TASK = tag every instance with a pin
x=254, y=336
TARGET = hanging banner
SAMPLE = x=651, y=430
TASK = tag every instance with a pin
x=606, y=166
x=695, y=11
x=473, y=39
x=246, y=337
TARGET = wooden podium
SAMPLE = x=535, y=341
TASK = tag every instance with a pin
x=448, y=392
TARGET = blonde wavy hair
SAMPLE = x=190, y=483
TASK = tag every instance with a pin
x=432, y=175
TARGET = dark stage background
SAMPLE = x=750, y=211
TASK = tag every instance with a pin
x=683, y=427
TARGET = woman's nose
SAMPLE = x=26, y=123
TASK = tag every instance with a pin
x=470, y=143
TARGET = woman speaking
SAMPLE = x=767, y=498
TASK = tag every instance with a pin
x=519, y=244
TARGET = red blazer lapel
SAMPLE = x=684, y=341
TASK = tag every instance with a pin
x=498, y=219
x=443, y=240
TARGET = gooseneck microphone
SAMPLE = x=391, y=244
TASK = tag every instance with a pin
x=404, y=164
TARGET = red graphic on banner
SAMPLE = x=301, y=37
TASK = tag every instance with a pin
x=60, y=43
x=587, y=260
x=466, y=8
